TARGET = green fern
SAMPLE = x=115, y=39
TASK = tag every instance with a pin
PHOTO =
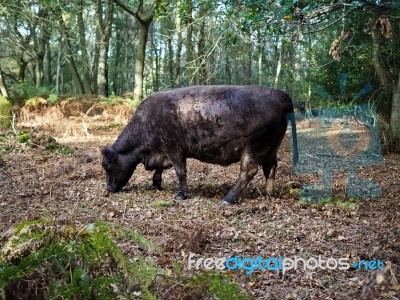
x=65, y=256
x=217, y=285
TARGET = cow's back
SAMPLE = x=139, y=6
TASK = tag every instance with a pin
x=216, y=123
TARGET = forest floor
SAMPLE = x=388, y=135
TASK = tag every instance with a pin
x=70, y=189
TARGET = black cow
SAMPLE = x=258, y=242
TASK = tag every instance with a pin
x=214, y=124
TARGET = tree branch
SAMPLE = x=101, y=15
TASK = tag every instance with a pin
x=144, y=18
x=128, y=8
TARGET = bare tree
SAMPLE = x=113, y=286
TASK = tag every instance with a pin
x=144, y=16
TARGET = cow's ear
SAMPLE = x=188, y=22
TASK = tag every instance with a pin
x=109, y=153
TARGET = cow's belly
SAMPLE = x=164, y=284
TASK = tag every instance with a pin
x=221, y=154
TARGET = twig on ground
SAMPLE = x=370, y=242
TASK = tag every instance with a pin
x=13, y=125
x=8, y=174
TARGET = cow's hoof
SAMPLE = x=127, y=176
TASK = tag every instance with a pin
x=181, y=196
x=154, y=188
x=229, y=199
x=225, y=203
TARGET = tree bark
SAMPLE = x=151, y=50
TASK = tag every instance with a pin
x=201, y=51
x=144, y=19
x=291, y=68
x=156, y=63
x=279, y=66
x=170, y=59
x=127, y=86
x=49, y=77
x=260, y=64
x=395, y=119
x=40, y=33
x=248, y=60
x=23, y=65
x=70, y=57
x=3, y=86
x=117, y=74
x=104, y=27
x=179, y=43
x=59, y=66
x=189, y=47
x=140, y=59
x=95, y=61
x=86, y=78
x=228, y=73
x=378, y=41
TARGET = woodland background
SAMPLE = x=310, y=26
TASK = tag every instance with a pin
x=73, y=72
x=135, y=48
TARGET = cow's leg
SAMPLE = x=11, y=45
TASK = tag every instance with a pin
x=248, y=169
x=157, y=179
x=180, y=169
x=269, y=169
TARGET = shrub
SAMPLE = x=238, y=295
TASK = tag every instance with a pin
x=53, y=98
x=113, y=99
x=134, y=103
x=5, y=112
x=63, y=262
x=35, y=101
x=215, y=286
x=53, y=146
x=26, y=90
x=43, y=260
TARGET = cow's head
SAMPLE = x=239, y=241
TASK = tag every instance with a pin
x=119, y=168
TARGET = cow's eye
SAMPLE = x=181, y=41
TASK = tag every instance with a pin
x=106, y=166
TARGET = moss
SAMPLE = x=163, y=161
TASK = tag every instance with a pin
x=162, y=204
x=114, y=125
x=63, y=150
x=23, y=137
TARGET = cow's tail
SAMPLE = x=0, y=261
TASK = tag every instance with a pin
x=291, y=117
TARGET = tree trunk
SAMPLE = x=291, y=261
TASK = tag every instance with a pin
x=156, y=63
x=395, y=119
x=140, y=59
x=3, y=86
x=39, y=69
x=86, y=78
x=170, y=59
x=179, y=43
x=278, y=66
x=378, y=41
x=70, y=57
x=201, y=53
x=95, y=61
x=212, y=77
x=144, y=19
x=189, y=47
x=41, y=34
x=59, y=66
x=104, y=26
x=228, y=73
x=260, y=66
x=290, y=69
x=49, y=77
x=127, y=86
x=22, y=68
x=39, y=46
x=248, y=60
x=117, y=74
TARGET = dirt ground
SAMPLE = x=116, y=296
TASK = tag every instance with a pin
x=36, y=183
